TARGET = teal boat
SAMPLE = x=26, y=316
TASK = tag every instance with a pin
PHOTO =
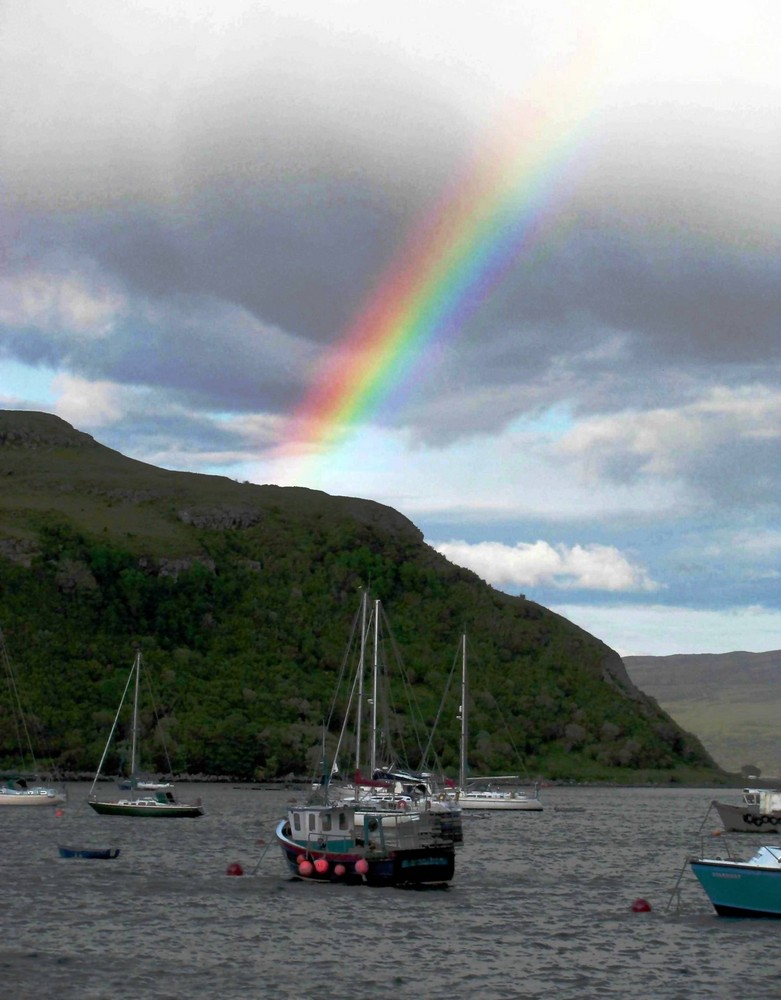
x=742, y=888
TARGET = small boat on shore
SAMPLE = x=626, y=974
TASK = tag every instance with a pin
x=89, y=853
x=742, y=888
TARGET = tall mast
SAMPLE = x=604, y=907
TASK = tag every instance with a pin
x=134, y=740
x=375, y=670
x=361, y=663
x=464, y=721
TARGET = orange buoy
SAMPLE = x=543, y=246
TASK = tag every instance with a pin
x=362, y=866
x=641, y=906
x=321, y=866
x=234, y=868
x=305, y=868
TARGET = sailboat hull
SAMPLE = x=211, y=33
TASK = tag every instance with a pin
x=31, y=797
x=149, y=808
x=499, y=801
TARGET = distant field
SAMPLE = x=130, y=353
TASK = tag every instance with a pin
x=732, y=702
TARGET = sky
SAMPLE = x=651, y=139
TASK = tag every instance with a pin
x=509, y=267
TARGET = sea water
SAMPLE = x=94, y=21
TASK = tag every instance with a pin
x=540, y=906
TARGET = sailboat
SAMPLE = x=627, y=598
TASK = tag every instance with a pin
x=138, y=802
x=16, y=789
x=372, y=832
x=483, y=793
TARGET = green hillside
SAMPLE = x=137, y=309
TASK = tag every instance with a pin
x=242, y=598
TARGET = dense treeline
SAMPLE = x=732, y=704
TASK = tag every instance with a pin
x=243, y=644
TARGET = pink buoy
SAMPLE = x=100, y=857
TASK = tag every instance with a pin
x=234, y=868
x=339, y=870
x=641, y=906
x=59, y=812
x=301, y=859
x=362, y=866
x=321, y=866
x=305, y=868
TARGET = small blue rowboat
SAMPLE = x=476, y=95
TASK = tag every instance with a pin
x=93, y=853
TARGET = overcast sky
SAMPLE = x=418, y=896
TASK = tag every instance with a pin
x=198, y=200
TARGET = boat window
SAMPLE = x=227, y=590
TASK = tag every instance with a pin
x=296, y=821
x=342, y=821
x=326, y=821
x=312, y=819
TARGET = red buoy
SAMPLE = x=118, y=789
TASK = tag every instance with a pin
x=641, y=906
x=301, y=859
x=321, y=866
x=362, y=866
x=234, y=868
x=339, y=870
x=305, y=868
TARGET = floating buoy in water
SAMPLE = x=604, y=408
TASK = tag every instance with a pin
x=339, y=870
x=234, y=868
x=59, y=812
x=305, y=868
x=321, y=866
x=716, y=833
x=362, y=866
x=641, y=906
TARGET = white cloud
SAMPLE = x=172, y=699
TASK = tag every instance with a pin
x=87, y=404
x=661, y=442
x=662, y=630
x=589, y=567
x=57, y=303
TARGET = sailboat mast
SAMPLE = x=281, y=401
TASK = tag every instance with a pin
x=464, y=721
x=375, y=670
x=134, y=738
x=361, y=663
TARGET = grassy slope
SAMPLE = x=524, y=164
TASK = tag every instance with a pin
x=732, y=701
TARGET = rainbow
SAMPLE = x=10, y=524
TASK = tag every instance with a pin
x=500, y=210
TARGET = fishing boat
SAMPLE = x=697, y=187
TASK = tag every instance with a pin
x=89, y=853
x=158, y=804
x=498, y=792
x=742, y=888
x=759, y=812
x=386, y=830
x=23, y=788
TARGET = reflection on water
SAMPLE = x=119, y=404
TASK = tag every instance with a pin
x=540, y=906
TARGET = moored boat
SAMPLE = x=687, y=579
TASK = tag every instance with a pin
x=16, y=792
x=159, y=804
x=381, y=847
x=16, y=789
x=502, y=792
x=89, y=853
x=387, y=829
x=742, y=888
x=759, y=812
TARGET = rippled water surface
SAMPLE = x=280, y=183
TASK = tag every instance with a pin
x=541, y=906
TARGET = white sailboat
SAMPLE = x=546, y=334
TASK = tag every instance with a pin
x=16, y=790
x=139, y=801
x=487, y=793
